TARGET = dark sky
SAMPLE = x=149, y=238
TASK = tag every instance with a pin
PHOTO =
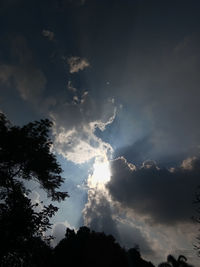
x=120, y=80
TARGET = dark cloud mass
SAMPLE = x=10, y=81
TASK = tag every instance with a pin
x=161, y=196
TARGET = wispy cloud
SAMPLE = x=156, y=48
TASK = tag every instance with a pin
x=29, y=80
x=76, y=64
x=71, y=87
x=48, y=34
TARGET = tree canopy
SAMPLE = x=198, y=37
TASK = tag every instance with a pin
x=89, y=248
x=25, y=154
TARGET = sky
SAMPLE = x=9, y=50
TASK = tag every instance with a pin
x=120, y=81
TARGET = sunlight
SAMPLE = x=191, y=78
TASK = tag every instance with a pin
x=101, y=173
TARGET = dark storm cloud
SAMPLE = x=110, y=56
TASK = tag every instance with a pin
x=160, y=195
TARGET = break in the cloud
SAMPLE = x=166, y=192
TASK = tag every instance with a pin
x=161, y=196
x=48, y=34
x=28, y=79
x=76, y=64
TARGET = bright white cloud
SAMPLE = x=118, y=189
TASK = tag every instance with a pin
x=80, y=145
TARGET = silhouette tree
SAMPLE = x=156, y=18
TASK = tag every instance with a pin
x=172, y=262
x=89, y=248
x=25, y=154
x=135, y=260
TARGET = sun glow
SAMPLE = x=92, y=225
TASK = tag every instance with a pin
x=101, y=173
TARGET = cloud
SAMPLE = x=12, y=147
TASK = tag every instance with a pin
x=98, y=215
x=137, y=152
x=132, y=235
x=36, y=200
x=76, y=140
x=29, y=82
x=159, y=90
x=160, y=196
x=80, y=145
x=71, y=87
x=48, y=34
x=76, y=64
x=75, y=135
x=59, y=230
x=28, y=79
x=6, y=72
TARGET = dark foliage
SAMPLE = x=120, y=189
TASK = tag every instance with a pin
x=89, y=248
x=25, y=155
x=172, y=262
x=135, y=259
